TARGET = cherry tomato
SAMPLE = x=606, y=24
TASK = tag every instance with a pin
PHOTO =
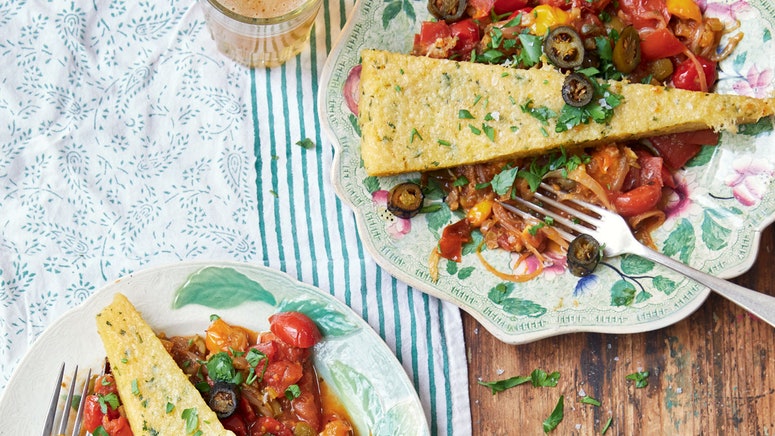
x=648, y=192
x=295, y=329
x=281, y=374
x=660, y=43
x=477, y=9
x=105, y=384
x=430, y=31
x=452, y=239
x=676, y=149
x=117, y=427
x=92, y=415
x=220, y=336
x=639, y=200
x=686, y=75
x=235, y=424
x=467, y=33
x=266, y=425
x=268, y=348
x=644, y=13
x=503, y=6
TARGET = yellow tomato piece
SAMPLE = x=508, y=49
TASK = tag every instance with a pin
x=221, y=336
x=544, y=17
x=686, y=9
x=479, y=213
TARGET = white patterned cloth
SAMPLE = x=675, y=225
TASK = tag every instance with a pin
x=127, y=141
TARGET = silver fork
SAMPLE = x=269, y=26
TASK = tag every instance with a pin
x=615, y=236
x=67, y=405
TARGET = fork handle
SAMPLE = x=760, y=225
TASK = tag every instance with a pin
x=759, y=304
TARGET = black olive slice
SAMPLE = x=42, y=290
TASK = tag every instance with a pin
x=405, y=199
x=627, y=50
x=577, y=90
x=564, y=48
x=583, y=255
x=447, y=10
x=223, y=399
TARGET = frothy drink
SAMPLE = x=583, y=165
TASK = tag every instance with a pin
x=260, y=33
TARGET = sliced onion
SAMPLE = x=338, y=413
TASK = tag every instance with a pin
x=580, y=175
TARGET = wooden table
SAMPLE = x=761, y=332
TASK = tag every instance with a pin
x=712, y=373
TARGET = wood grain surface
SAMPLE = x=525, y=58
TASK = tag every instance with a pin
x=711, y=373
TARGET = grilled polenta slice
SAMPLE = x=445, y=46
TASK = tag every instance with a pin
x=158, y=397
x=420, y=114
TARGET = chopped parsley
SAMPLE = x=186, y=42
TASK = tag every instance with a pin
x=415, y=133
x=254, y=357
x=555, y=418
x=191, y=416
x=306, y=143
x=538, y=378
x=464, y=114
x=107, y=400
x=607, y=425
x=641, y=378
x=561, y=161
x=292, y=392
x=220, y=368
x=504, y=180
x=541, y=113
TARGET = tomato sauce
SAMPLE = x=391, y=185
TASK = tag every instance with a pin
x=257, y=382
x=665, y=43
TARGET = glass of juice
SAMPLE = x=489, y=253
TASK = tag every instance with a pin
x=260, y=33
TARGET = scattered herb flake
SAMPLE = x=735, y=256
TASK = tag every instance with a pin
x=415, y=133
x=460, y=181
x=306, y=143
x=607, y=425
x=555, y=418
x=464, y=114
x=640, y=378
x=191, y=416
x=589, y=400
x=292, y=392
x=502, y=385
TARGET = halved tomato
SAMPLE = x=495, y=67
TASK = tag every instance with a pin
x=678, y=148
x=660, y=43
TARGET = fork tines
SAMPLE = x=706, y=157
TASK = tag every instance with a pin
x=567, y=221
x=67, y=404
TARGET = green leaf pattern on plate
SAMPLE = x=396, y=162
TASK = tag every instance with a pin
x=220, y=288
x=332, y=323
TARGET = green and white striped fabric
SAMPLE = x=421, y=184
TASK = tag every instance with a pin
x=127, y=141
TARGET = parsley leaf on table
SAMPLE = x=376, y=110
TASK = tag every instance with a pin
x=640, y=378
x=538, y=378
x=555, y=418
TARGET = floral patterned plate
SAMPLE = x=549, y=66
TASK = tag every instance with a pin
x=724, y=199
x=179, y=299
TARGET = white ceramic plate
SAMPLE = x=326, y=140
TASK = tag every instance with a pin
x=179, y=299
x=727, y=198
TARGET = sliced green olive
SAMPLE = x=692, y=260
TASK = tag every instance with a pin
x=627, y=50
x=447, y=10
x=564, y=48
x=583, y=255
x=223, y=399
x=405, y=199
x=661, y=69
x=577, y=90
